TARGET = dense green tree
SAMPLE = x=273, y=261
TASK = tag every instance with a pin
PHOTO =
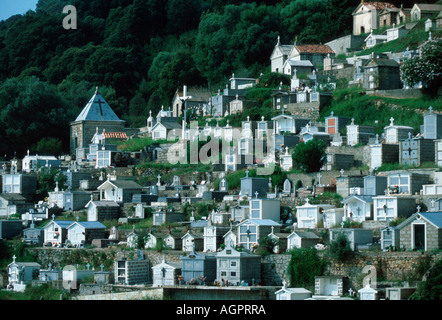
x=309, y=156
x=115, y=67
x=183, y=15
x=179, y=71
x=140, y=51
x=240, y=37
x=304, y=266
x=30, y=110
x=49, y=145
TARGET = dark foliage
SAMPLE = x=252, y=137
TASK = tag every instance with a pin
x=141, y=52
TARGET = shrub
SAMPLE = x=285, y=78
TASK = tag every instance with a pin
x=431, y=288
x=266, y=245
x=304, y=266
x=340, y=248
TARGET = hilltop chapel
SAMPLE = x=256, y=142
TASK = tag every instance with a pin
x=97, y=115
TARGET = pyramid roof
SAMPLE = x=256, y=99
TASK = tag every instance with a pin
x=97, y=109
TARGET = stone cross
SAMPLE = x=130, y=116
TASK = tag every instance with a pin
x=247, y=173
x=53, y=216
x=342, y=224
x=159, y=180
x=256, y=194
x=284, y=283
x=88, y=265
x=350, y=292
x=13, y=258
x=430, y=109
x=332, y=113
x=418, y=209
x=49, y=266
x=341, y=172
x=391, y=121
x=377, y=139
x=409, y=135
x=286, y=151
x=101, y=267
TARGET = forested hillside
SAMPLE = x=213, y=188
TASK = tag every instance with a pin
x=139, y=52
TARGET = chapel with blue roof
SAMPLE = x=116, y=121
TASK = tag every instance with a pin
x=96, y=115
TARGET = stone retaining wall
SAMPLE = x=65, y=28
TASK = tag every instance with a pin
x=390, y=266
x=154, y=294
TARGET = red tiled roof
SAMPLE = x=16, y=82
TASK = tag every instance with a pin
x=314, y=48
x=114, y=135
x=380, y=5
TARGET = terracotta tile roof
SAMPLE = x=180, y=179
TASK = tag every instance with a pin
x=380, y=5
x=114, y=135
x=314, y=48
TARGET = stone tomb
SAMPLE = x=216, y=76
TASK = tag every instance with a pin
x=432, y=127
x=201, y=267
x=416, y=151
x=131, y=272
x=338, y=161
x=358, y=134
x=166, y=273
x=383, y=153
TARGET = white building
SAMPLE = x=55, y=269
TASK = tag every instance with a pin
x=32, y=163
x=292, y=293
x=394, y=134
x=309, y=215
x=55, y=232
x=119, y=190
x=250, y=231
x=289, y=123
x=388, y=208
x=358, y=208
x=301, y=239
x=20, y=273
x=83, y=232
x=165, y=130
x=333, y=217
x=166, y=273
x=367, y=293
x=375, y=39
